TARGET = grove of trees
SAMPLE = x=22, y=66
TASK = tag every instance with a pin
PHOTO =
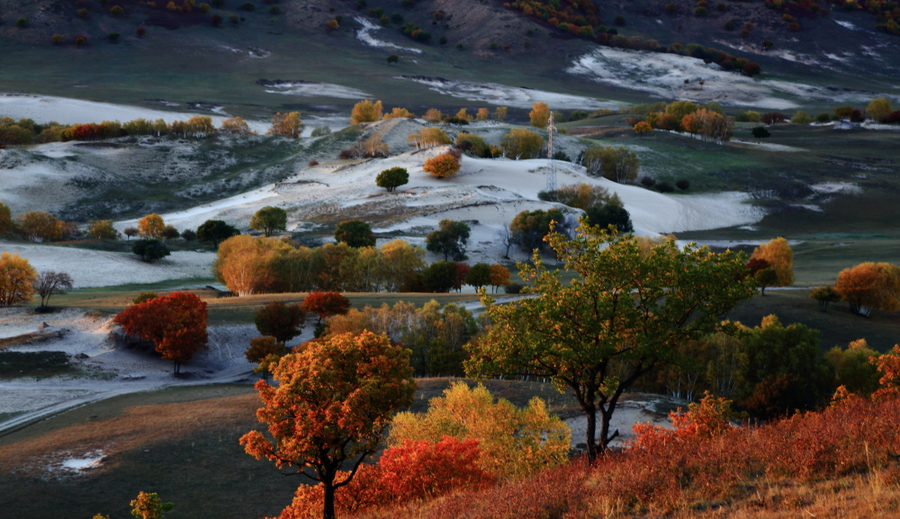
x=268, y=220
x=870, y=286
x=449, y=240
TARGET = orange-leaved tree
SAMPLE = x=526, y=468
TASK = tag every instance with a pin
x=366, y=111
x=780, y=256
x=17, y=277
x=442, y=166
x=870, y=286
x=175, y=323
x=539, y=115
x=151, y=226
x=332, y=404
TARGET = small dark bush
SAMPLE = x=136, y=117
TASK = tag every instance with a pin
x=313, y=163
x=113, y=36
x=665, y=187
x=760, y=132
x=347, y=154
x=274, y=10
x=683, y=184
x=513, y=288
x=823, y=117
x=248, y=6
x=188, y=235
x=22, y=22
x=648, y=181
x=619, y=20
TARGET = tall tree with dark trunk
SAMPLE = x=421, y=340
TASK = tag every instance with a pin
x=332, y=405
x=623, y=315
x=49, y=283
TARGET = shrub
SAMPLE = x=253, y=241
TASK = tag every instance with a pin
x=141, y=31
x=247, y=6
x=56, y=39
x=683, y=184
x=393, y=178
x=664, y=187
x=443, y=166
x=823, y=117
x=760, y=132
x=113, y=36
x=117, y=10
x=22, y=22
x=513, y=288
x=648, y=181
x=81, y=40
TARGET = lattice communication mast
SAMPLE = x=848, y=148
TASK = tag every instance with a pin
x=551, y=175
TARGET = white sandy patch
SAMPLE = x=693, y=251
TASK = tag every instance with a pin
x=316, y=89
x=100, y=269
x=836, y=187
x=664, y=75
x=739, y=143
x=365, y=36
x=43, y=109
x=846, y=25
x=503, y=95
x=809, y=207
x=627, y=414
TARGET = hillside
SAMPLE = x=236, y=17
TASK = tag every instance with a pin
x=197, y=66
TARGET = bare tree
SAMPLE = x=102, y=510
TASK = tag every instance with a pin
x=49, y=283
x=507, y=239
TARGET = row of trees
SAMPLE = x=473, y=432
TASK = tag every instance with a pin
x=367, y=111
x=26, y=131
x=708, y=121
x=878, y=110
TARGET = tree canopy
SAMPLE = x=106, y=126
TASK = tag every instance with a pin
x=216, y=231
x=392, y=178
x=269, y=219
x=870, y=286
x=333, y=402
x=623, y=315
x=176, y=323
x=780, y=256
x=355, y=233
x=449, y=239
x=151, y=227
x=281, y=321
x=49, y=283
x=17, y=278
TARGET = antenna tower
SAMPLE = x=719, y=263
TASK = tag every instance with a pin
x=551, y=175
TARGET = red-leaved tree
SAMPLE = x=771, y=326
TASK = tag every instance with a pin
x=175, y=323
x=325, y=304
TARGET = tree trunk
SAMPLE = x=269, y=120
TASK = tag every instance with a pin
x=328, y=502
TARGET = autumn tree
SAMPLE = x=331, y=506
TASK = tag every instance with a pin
x=265, y=352
x=281, y=321
x=482, y=114
x=449, y=239
x=521, y=143
x=879, y=109
x=473, y=144
x=499, y=276
x=824, y=295
x=778, y=253
x=851, y=367
x=399, y=113
x=444, y=165
x=642, y=127
x=392, y=178
x=49, y=283
x=428, y=137
x=500, y=113
x=39, y=226
x=539, y=115
x=17, y=278
x=287, y=124
x=103, y=230
x=149, y=506
x=325, y=304
x=246, y=264
x=333, y=402
x=366, y=111
x=237, y=126
x=433, y=115
x=870, y=286
x=175, y=323
x=514, y=442
x=268, y=220
x=216, y=231
x=355, y=233
x=130, y=232
x=151, y=227
x=621, y=316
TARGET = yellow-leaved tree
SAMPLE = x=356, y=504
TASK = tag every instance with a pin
x=514, y=441
x=366, y=111
x=17, y=278
x=287, y=124
x=539, y=115
x=443, y=166
x=780, y=256
x=151, y=226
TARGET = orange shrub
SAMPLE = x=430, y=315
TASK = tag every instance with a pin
x=442, y=166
